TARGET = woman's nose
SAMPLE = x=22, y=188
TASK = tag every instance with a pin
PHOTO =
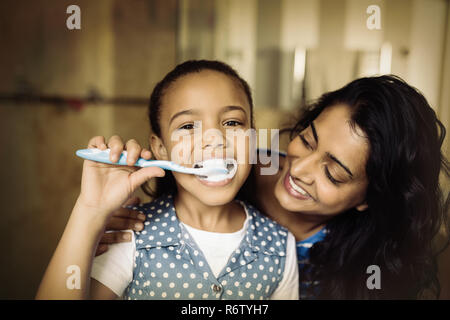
x=303, y=169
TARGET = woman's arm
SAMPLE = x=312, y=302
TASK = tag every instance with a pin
x=104, y=188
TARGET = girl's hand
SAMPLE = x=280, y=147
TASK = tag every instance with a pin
x=105, y=187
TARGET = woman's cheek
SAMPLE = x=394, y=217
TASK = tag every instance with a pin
x=326, y=194
x=336, y=199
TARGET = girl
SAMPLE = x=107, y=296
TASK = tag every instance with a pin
x=360, y=187
x=197, y=243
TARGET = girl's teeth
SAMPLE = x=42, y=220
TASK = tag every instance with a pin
x=229, y=164
x=297, y=188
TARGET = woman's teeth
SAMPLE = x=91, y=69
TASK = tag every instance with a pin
x=297, y=188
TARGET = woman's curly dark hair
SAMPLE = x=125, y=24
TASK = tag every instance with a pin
x=406, y=207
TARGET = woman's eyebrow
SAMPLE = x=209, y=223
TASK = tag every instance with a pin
x=184, y=112
x=316, y=137
x=314, y=132
x=340, y=163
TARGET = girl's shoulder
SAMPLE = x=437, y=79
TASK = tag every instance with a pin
x=162, y=205
x=265, y=179
x=264, y=232
x=161, y=225
x=259, y=219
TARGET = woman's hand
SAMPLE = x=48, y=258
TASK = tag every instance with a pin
x=106, y=187
x=121, y=219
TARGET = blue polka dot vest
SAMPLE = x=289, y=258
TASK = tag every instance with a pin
x=169, y=264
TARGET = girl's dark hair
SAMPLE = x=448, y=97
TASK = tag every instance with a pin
x=167, y=183
x=406, y=207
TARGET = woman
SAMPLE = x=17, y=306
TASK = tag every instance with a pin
x=359, y=187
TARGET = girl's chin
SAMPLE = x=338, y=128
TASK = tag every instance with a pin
x=214, y=184
x=216, y=199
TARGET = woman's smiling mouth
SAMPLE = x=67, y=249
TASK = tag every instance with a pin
x=295, y=190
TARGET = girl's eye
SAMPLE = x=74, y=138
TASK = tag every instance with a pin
x=305, y=143
x=232, y=123
x=188, y=126
x=330, y=177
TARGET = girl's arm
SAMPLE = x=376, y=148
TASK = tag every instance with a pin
x=104, y=188
x=68, y=274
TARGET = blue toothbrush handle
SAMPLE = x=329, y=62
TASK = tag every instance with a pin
x=100, y=156
x=103, y=156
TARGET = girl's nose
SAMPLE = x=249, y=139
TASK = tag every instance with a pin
x=213, y=138
x=303, y=169
x=213, y=145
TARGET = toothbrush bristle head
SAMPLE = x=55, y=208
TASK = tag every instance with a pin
x=219, y=169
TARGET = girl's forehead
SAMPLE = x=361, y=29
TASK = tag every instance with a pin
x=208, y=91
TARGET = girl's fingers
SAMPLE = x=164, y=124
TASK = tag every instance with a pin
x=141, y=176
x=97, y=142
x=115, y=143
x=146, y=154
x=133, y=151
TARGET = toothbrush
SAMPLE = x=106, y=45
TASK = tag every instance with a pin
x=103, y=156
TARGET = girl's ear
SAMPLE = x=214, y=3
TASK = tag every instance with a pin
x=158, y=148
x=362, y=207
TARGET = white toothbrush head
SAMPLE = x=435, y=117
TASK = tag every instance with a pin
x=229, y=164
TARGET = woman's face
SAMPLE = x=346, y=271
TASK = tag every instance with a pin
x=324, y=172
x=205, y=115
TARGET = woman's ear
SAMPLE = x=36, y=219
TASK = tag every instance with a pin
x=158, y=148
x=362, y=207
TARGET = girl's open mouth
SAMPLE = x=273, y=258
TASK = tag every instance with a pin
x=217, y=180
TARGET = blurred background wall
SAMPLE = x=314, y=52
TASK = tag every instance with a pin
x=60, y=87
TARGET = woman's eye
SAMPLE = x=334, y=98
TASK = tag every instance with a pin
x=232, y=123
x=305, y=143
x=330, y=177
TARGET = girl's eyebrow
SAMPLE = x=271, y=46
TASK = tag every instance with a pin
x=196, y=112
x=232, y=108
x=184, y=112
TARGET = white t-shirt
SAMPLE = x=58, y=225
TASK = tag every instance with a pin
x=114, y=268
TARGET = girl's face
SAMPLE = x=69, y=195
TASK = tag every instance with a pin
x=325, y=166
x=205, y=115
